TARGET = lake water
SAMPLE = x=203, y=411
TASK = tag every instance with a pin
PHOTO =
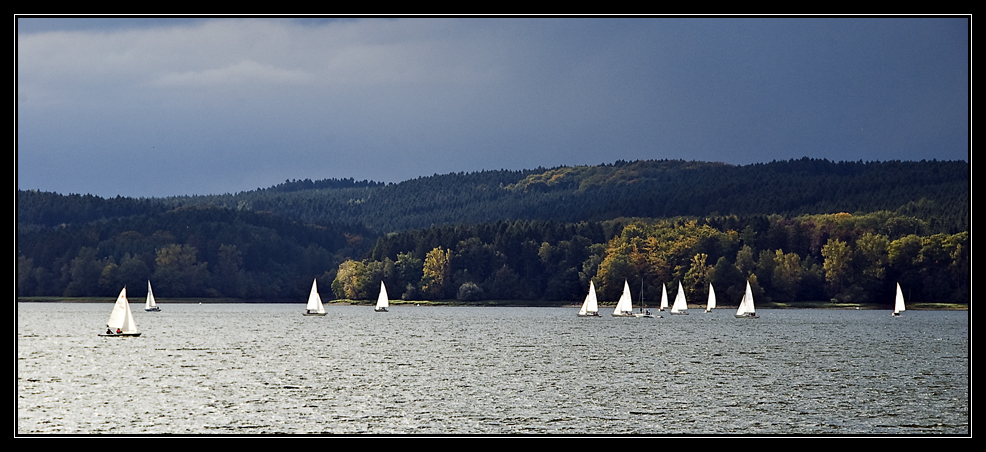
x=266, y=369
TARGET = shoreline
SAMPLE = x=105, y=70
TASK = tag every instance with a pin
x=499, y=303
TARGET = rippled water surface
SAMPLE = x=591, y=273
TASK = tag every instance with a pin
x=264, y=368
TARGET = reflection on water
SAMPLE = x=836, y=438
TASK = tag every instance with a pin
x=264, y=368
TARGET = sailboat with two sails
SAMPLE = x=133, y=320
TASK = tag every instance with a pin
x=680, y=306
x=121, y=321
x=314, y=306
x=150, y=305
x=590, y=307
x=746, y=309
x=624, y=307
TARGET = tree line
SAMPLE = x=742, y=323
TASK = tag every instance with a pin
x=841, y=257
x=185, y=252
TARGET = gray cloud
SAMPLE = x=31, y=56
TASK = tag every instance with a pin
x=164, y=107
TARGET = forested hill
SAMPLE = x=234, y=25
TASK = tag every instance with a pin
x=651, y=189
x=797, y=230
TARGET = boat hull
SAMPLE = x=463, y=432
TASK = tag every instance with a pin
x=591, y=314
x=380, y=310
x=679, y=313
x=622, y=315
x=313, y=314
x=120, y=335
x=152, y=309
x=645, y=316
x=746, y=316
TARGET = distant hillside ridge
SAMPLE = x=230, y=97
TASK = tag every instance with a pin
x=643, y=188
x=308, y=184
x=546, y=230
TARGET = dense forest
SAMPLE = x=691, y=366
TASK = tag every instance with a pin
x=841, y=257
x=188, y=251
x=643, y=189
x=797, y=230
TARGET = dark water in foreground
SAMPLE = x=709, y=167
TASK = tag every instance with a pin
x=253, y=369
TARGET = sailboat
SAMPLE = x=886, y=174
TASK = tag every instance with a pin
x=150, y=304
x=680, y=307
x=643, y=313
x=712, y=299
x=590, y=307
x=746, y=309
x=664, y=297
x=121, y=321
x=898, y=303
x=624, y=307
x=314, y=306
x=383, y=302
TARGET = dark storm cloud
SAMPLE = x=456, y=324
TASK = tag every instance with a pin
x=158, y=107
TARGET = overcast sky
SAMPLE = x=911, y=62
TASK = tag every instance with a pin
x=173, y=106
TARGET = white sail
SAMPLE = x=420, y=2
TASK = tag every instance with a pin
x=150, y=304
x=746, y=308
x=712, y=299
x=664, y=296
x=383, y=301
x=750, y=309
x=590, y=306
x=899, y=302
x=625, y=305
x=314, y=301
x=679, y=306
x=122, y=318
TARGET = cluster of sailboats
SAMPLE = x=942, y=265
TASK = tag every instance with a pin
x=121, y=321
x=746, y=309
x=624, y=307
